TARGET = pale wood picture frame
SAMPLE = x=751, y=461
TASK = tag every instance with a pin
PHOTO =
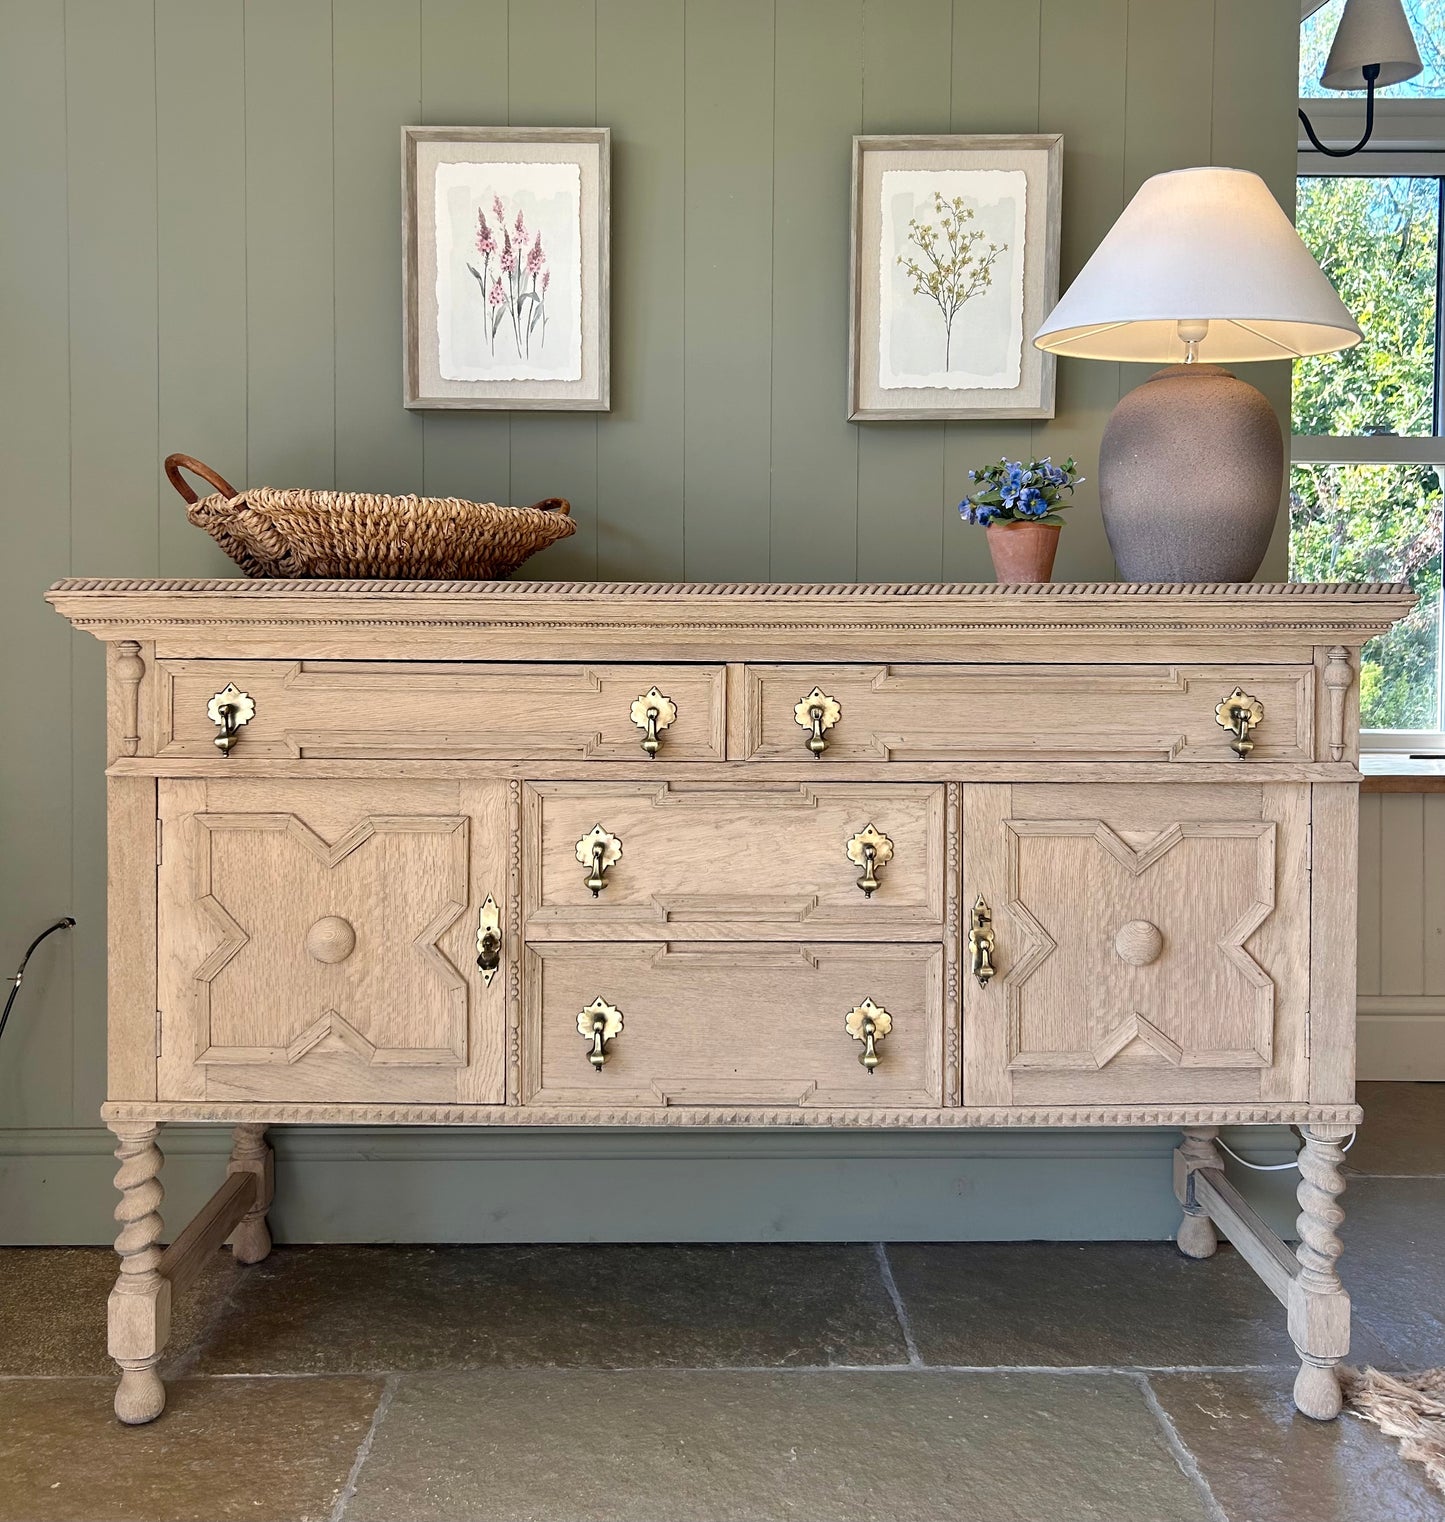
x=1021, y=383
x=459, y=304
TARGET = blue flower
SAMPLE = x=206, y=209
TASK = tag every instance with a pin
x=985, y=515
x=967, y=510
x=1013, y=479
x=1052, y=473
x=1032, y=503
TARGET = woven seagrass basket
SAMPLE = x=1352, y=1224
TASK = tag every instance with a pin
x=275, y=533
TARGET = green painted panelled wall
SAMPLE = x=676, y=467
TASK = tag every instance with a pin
x=201, y=253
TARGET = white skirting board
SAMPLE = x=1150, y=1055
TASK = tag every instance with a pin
x=1402, y=1038
x=392, y=1184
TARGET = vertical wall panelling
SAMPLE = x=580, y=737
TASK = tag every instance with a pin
x=290, y=293
x=1432, y=847
x=817, y=108
x=1255, y=127
x=1402, y=876
x=552, y=69
x=110, y=99
x=376, y=64
x=204, y=231
x=1369, y=903
x=640, y=442
x=464, y=83
x=201, y=249
x=907, y=87
x=728, y=288
x=35, y=874
x=1081, y=48
x=989, y=44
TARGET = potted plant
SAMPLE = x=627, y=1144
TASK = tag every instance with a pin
x=1019, y=506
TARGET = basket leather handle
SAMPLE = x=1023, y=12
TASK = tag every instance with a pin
x=176, y=463
x=559, y=505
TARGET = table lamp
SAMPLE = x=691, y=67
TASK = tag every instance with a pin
x=1202, y=268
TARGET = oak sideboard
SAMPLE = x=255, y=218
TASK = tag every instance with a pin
x=532, y=853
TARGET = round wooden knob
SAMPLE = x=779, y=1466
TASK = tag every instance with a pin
x=1139, y=943
x=331, y=939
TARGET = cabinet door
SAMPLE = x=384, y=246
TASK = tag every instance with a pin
x=1151, y=943
x=318, y=940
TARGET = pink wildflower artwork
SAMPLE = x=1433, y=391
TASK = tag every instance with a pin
x=519, y=293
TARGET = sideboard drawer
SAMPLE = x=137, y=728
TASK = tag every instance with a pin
x=733, y=860
x=737, y=1025
x=457, y=710
x=1037, y=712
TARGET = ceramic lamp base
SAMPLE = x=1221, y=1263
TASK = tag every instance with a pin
x=1191, y=468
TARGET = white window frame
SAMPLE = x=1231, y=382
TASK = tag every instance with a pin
x=1409, y=140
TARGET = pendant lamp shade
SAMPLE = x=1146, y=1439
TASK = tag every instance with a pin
x=1371, y=31
x=1200, y=246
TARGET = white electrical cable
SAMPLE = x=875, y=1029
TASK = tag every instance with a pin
x=1244, y=1162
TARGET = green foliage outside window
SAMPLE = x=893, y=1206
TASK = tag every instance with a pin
x=1377, y=240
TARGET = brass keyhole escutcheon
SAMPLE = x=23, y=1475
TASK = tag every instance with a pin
x=598, y=850
x=1239, y=714
x=869, y=1023
x=230, y=710
x=869, y=849
x=599, y=1023
x=653, y=712
x=489, y=940
x=817, y=713
x=980, y=941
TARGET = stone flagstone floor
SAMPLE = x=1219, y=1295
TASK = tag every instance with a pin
x=906, y=1383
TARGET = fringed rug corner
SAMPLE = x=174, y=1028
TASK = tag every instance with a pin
x=1410, y=1407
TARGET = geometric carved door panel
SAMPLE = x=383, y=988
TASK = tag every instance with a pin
x=1146, y=939
x=318, y=940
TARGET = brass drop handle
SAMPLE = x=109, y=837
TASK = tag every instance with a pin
x=980, y=941
x=230, y=710
x=817, y=713
x=869, y=849
x=599, y=1023
x=489, y=940
x=598, y=850
x=1239, y=713
x=653, y=712
x=869, y=1023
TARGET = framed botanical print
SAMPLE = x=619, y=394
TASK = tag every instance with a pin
x=954, y=265
x=505, y=267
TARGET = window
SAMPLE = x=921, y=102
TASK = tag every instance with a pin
x=1368, y=454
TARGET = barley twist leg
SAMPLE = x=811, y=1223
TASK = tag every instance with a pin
x=139, y=1310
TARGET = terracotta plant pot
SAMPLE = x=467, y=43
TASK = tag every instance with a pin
x=1023, y=551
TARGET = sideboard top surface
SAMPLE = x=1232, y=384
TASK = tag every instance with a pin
x=756, y=613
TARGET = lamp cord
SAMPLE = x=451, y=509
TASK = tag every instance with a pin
x=1371, y=71
x=1289, y=1167
x=68, y=923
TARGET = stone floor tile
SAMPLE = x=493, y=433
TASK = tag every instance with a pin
x=1264, y=1462
x=730, y=1446
x=1403, y=1130
x=52, y=1309
x=267, y=1450
x=1394, y=1267
x=356, y=1309
x=1102, y=1303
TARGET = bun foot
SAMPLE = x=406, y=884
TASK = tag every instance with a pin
x=1196, y=1237
x=140, y=1397
x=252, y=1240
x=1317, y=1391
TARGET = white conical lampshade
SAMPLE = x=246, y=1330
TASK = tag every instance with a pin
x=1200, y=245
x=1371, y=31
